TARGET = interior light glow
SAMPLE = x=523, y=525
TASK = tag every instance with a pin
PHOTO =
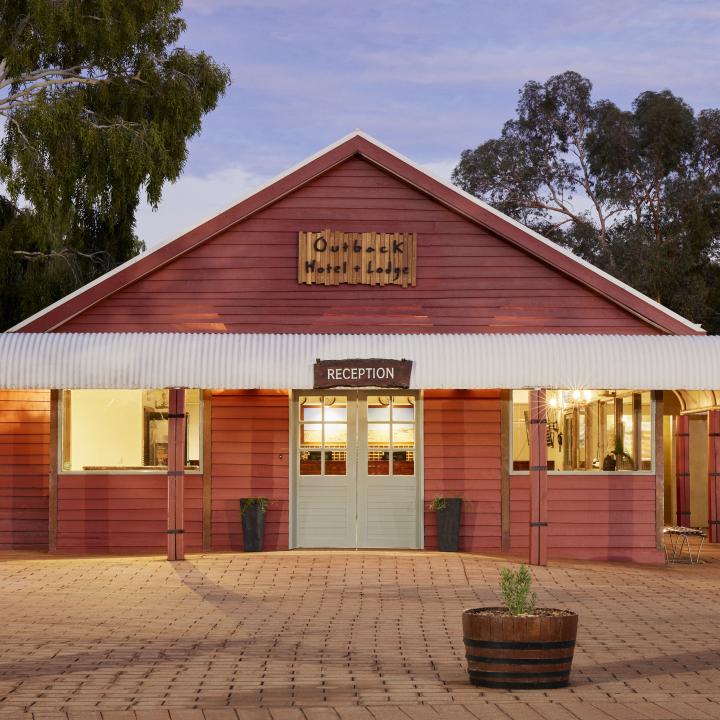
x=575, y=394
x=587, y=395
x=553, y=402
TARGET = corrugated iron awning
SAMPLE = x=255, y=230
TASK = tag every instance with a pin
x=148, y=360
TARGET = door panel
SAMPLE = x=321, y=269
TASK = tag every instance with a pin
x=326, y=512
x=387, y=472
x=326, y=506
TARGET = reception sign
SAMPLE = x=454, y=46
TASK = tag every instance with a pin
x=370, y=372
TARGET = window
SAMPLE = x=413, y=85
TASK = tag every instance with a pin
x=588, y=430
x=124, y=430
x=391, y=435
x=323, y=435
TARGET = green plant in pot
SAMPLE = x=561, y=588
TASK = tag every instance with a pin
x=519, y=645
x=252, y=512
x=447, y=513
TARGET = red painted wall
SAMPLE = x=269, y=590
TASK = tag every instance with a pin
x=462, y=459
x=123, y=513
x=245, y=279
x=250, y=439
x=24, y=468
x=591, y=516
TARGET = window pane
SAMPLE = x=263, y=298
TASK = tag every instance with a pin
x=378, y=434
x=335, y=409
x=646, y=432
x=335, y=435
x=311, y=435
x=378, y=408
x=124, y=429
x=403, y=435
x=378, y=462
x=404, y=462
x=336, y=462
x=403, y=408
x=194, y=428
x=588, y=430
x=310, y=462
x=310, y=409
x=520, y=431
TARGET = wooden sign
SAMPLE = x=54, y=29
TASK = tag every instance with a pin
x=331, y=257
x=369, y=372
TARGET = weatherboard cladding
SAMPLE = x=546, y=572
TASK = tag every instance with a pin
x=245, y=278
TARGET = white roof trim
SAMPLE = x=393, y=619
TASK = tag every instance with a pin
x=391, y=151
x=285, y=361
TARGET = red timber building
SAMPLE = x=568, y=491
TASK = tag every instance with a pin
x=574, y=416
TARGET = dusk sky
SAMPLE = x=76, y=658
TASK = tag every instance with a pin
x=429, y=78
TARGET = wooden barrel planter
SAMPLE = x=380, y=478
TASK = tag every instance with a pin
x=519, y=651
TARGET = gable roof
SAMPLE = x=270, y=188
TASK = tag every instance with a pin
x=358, y=143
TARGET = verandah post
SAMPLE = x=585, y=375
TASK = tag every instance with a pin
x=682, y=469
x=714, y=476
x=538, y=479
x=176, y=474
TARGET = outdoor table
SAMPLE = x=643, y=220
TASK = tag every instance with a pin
x=679, y=538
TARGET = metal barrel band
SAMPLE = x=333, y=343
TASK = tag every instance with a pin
x=175, y=473
x=499, y=645
x=518, y=661
x=175, y=531
x=176, y=415
x=510, y=685
x=538, y=524
x=509, y=673
x=538, y=468
x=538, y=421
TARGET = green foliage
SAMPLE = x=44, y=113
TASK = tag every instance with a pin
x=515, y=588
x=99, y=103
x=260, y=503
x=438, y=503
x=648, y=179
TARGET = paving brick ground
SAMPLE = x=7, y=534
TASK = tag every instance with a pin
x=342, y=635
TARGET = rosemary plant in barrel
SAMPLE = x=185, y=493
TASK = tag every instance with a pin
x=519, y=645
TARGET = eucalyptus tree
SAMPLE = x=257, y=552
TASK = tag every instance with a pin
x=97, y=103
x=635, y=191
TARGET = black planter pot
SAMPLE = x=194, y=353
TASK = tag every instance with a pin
x=448, y=521
x=253, y=523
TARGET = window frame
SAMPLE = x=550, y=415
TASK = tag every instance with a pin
x=589, y=473
x=126, y=471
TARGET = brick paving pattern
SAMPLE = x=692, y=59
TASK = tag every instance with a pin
x=342, y=635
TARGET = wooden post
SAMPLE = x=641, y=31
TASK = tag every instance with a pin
x=207, y=472
x=53, y=470
x=659, y=453
x=682, y=468
x=714, y=475
x=176, y=474
x=538, y=479
x=505, y=460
